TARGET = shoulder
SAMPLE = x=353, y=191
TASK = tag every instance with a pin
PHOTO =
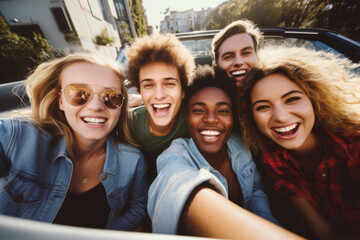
x=127, y=149
x=237, y=145
x=22, y=126
x=136, y=111
x=178, y=146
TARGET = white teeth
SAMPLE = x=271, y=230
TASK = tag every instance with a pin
x=286, y=129
x=94, y=120
x=210, y=132
x=239, y=72
x=161, y=105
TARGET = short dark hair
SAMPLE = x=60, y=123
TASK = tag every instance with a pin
x=206, y=76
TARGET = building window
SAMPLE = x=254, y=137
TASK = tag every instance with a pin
x=120, y=9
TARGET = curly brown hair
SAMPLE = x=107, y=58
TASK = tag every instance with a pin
x=159, y=48
x=236, y=27
x=331, y=83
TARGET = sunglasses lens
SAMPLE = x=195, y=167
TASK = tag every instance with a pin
x=77, y=94
x=112, y=98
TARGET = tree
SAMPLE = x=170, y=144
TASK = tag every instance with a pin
x=338, y=15
x=19, y=55
x=138, y=15
x=125, y=35
x=103, y=38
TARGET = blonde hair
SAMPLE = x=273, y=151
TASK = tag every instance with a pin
x=330, y=82
x=43, y=87
x=159, y=48
x=236, y=27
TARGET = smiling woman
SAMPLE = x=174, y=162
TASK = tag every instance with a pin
x=78, y=159
x=300, y=109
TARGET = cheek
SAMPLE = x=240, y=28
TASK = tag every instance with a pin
x=260, y=120
x=191, y=121
x=145, y=94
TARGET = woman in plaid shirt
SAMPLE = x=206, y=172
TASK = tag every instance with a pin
x=300, y=110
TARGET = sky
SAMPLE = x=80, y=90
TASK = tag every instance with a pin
x=155, y=8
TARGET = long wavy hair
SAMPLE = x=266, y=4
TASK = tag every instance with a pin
x=331, y=83
x=43, y=87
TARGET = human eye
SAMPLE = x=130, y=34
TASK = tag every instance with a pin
x=197, y=110
x=292, y=99
x=171, y=84
x=247, y=52
x=224, y=111
x=147, y=85
x=227, y=57
x=261, y=108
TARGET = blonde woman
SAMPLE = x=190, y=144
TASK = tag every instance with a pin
x=300, y=108
x=72, y=161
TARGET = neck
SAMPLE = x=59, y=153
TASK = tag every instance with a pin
x=216, y=160
x=311, y=148
x=86, y=151
x=310, y=156
x=161, y=130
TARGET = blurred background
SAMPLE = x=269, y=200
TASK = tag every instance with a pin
x=31, y=31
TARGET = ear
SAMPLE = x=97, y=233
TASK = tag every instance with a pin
x=182, y=94
x=61, y=105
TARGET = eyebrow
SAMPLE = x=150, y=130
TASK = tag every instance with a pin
x=242, y=49
x=217, y=104
x=283, y=96
x=166, y=79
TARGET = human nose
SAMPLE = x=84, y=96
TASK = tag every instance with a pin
x=159, y=92
x=95, y=102
x=280, y=114
x=210, y=117
x=238, y=60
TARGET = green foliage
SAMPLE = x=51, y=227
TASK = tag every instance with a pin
x=103, y=38
x=338, y=15
x=19, y=55
x=125, y=35
x=138, y=15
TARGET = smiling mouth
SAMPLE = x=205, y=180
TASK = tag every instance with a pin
x=287, y=131
x=94, y=121
x=239, y=73
x=210, y=134
x=161, y=108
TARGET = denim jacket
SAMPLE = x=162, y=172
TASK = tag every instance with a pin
x=181, y=168
x=35, y=174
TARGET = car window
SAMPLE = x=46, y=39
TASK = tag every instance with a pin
x=198, y=47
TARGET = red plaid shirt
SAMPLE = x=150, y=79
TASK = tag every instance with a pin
x=335, y=190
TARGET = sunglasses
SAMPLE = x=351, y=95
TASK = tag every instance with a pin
x=78, y=95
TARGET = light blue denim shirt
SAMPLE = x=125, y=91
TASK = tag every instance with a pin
x=35, y=174
x=181, y=168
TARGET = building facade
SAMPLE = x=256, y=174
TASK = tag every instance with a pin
x=184, y=21
x=68, y=24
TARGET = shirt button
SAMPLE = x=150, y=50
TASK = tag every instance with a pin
x=103, y=177
x=323, y=174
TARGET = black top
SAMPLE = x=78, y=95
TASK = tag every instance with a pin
x=89, y=209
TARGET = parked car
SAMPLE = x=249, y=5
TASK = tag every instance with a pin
x=318, y=39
